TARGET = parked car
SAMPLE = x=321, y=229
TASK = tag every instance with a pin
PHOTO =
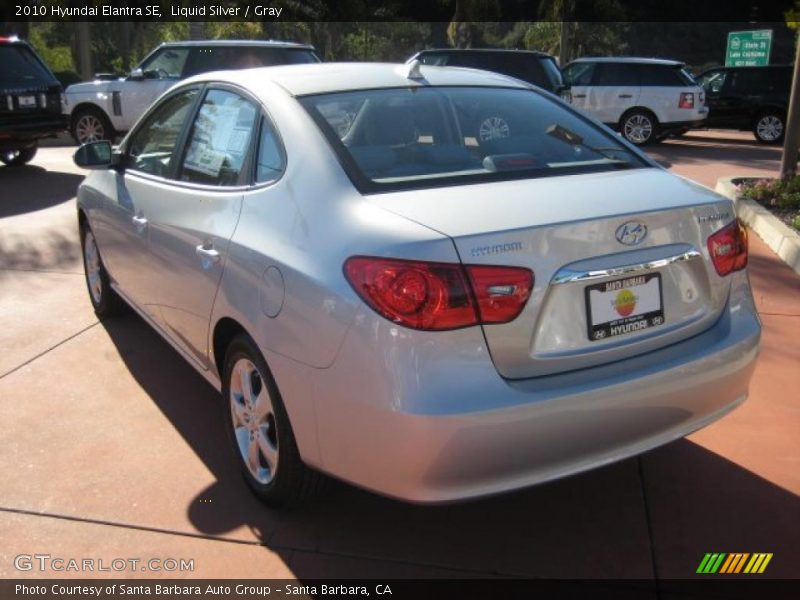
x=749, y=99
x=30, y=102
x=406, y=308
x=108, y=106
x=645, y=99
x=536, y=68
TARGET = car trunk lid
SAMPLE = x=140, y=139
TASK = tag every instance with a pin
x=609, y=252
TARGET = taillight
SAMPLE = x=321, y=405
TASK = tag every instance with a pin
x=686, y=100
x=436, y=296
x=728, y=248
x=501, y=292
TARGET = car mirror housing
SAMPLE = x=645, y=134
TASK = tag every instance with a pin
x=96, y=155
x=136, y=75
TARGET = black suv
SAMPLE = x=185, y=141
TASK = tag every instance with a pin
x=30, y=102
x=537, y=68
x=749, y=98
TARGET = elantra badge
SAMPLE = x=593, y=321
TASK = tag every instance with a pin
x=631, y=233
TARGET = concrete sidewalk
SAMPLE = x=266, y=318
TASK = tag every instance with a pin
x=114, y=448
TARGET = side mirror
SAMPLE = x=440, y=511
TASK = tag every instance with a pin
x=136, y=75
x=95, y=155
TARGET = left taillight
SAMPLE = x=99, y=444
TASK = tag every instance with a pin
x=728, y=248
x=686, y=100
x=437, y=296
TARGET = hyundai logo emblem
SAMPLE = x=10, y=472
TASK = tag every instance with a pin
x=631, y=233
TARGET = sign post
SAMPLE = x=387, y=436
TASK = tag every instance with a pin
x=748, y=48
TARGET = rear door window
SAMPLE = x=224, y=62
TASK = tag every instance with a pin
x=663, y=75
x=219, y=141
x=615, y=74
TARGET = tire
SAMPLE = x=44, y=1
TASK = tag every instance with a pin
x=259, y=430
x=91, y=125
x=17, y=158
x=639, y=127
x=105, y=301
x=770, y=127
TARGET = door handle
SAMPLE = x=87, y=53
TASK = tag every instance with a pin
x=207, y=253
x=139, y=222
x=626, y=95
x=579, y=95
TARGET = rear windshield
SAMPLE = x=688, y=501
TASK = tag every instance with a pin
x=426, y=136
x=20, y=67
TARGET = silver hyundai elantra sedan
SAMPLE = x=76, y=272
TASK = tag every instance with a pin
x=434, y=283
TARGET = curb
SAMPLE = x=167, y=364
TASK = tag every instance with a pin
x=782, y=239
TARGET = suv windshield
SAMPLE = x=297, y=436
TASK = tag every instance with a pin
x=20, y=67
x=416, y=137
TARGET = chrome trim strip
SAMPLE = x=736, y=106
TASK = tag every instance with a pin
x=570, y=276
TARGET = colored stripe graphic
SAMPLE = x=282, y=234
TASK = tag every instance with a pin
x=734, y=563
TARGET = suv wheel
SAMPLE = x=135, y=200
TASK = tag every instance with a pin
x=769, y=128
x=639, y=127
x=91, y=125
x=259, y=429
x=17, y=158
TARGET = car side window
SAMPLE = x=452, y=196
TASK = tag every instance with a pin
x=219, y=140
x=613, y=74
x=270, y=162
x=166, y=64
x=152, y=145
x=579, y=73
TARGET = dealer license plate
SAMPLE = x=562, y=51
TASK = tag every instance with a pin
x=624, y=306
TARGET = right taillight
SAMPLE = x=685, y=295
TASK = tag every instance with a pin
x=728, y=248
x=437, y=296
x=686, y=100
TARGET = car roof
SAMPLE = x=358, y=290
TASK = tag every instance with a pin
x=724, y=68
x=482, y=51
x=322, y=78
x=228, y=43
x=630, y=60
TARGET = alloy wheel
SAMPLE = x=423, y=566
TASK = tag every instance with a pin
x=89, y=128
x=769, y=128
x=91, y=260
x=254, y=423
x=638, y=129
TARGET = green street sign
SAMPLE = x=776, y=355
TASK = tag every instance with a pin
x=748, y=48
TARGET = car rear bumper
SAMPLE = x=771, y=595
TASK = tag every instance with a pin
x=24, y=133
x=393, y=419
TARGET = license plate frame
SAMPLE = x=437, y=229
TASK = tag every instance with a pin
x=620, y=298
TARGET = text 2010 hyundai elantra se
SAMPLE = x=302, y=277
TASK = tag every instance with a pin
x=435, y=283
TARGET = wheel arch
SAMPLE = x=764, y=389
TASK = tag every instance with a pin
x=225, y=331
x=83, y=106
x=638, y=109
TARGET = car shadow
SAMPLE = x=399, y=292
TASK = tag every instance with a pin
x=675, y=503
x=30, y=188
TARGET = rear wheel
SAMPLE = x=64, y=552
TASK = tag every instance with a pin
x=17, y=158
x=91, y=125
x=770, y=128
x=105, y=301
x=639, y=127
x=259, y=429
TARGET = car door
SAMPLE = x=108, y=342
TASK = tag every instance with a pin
x=154, y=76
x=194, y=219
x=614, y=89
x=578, y=77
x=121, y=228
